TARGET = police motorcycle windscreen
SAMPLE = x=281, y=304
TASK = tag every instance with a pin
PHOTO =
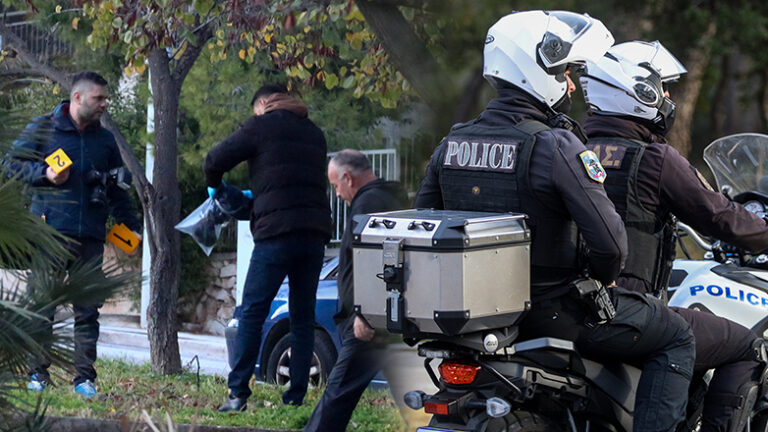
x=739, y=162
x=433, y=272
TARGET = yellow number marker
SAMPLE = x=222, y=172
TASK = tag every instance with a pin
x=122, y=237
x=58, y=161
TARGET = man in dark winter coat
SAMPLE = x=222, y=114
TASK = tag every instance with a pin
x=82, y=200
x=290, y=223
x=361, y=357
x=649, y=181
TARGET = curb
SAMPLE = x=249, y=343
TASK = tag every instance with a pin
x=76, y=424
x=204, y=345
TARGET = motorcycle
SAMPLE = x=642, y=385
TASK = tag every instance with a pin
x=546, y=385
x=729, y=282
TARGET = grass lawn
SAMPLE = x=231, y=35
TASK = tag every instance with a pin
x=126, y=389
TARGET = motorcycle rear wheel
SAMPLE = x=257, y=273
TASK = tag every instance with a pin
x=525, y=421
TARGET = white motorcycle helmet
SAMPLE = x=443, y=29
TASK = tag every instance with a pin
x=629, y=81
x=531, y=50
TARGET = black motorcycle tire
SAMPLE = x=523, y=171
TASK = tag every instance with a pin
x=516, y=421
x=524, y=421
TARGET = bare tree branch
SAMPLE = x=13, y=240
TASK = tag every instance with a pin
x=25, y=54
x=190, y=55
x=20, y=72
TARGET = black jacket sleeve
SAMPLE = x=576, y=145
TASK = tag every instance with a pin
x=238, y=147
x=591, y=209
x=24, y=161
x=429, y=195
x=707, y=211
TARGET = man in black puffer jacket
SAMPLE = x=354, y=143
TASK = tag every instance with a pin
x=361, y=356
x=290, y=223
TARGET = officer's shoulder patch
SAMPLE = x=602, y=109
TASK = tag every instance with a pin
x=591, y=163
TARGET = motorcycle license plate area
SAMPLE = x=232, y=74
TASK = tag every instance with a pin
x=441, y=272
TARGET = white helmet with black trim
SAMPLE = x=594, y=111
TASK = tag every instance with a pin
x=629, y=81
x=531, y=50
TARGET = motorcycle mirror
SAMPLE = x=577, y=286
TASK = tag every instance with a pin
x=726, y=190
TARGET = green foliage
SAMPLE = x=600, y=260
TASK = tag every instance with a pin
x=128, y=389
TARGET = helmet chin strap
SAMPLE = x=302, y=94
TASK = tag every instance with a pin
x=558, y=118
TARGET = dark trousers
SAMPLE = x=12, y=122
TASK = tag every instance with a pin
x=644, y=333
x=728, y=348
x=86, y=319
x=299, y=256
x=357, y=364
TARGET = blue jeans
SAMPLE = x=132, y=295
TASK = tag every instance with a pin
x=298, y=255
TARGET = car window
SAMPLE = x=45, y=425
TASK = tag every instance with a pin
x=333, y=274
x=330, y=268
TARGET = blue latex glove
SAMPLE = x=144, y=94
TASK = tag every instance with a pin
x=248, y=193
x=212, y=190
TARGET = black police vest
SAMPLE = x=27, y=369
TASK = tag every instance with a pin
x=486, y=169
x=650, y=237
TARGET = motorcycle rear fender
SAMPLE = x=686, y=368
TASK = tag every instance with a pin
x=617, y=380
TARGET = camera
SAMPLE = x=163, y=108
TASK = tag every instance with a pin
x=100, y=180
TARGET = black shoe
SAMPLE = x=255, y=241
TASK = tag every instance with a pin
x=234, y=404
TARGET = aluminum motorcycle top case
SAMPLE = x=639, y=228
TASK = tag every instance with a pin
x=442, y=272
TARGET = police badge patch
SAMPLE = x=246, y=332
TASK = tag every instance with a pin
x=595, y=171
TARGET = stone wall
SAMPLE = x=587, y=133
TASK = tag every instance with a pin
x=211, y=311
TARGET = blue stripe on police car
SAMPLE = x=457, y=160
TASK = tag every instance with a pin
x=740, y=295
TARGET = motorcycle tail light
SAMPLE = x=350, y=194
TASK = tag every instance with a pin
x=439, y=408
x=457, y=373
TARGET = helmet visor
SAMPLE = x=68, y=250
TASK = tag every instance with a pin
x=577, y=22
x=652, y=53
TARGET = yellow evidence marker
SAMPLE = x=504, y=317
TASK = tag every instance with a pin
x=122, y=237
x=58, y=161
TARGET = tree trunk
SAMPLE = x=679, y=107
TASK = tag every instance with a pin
x=407, y=52
x=696, y=63
x=762, y=102
x=165, y=206
x=718, y=111
x=468, y=101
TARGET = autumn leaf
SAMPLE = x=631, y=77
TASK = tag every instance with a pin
x=75, y=22
x=241, y=54
x=331, y=81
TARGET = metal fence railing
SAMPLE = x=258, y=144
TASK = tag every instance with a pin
x=41, y=42
x=385, y=164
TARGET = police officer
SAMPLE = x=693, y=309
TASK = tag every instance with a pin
x=521, y=155
x=648, y=181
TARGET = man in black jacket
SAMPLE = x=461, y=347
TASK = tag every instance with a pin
x=521, y=155
x=82, y=201
x=649, y=181
x=361, y=357
x=290, y=223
